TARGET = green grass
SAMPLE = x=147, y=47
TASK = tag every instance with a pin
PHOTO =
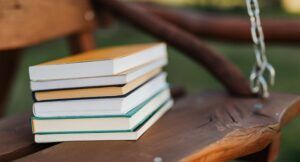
x=181, y=70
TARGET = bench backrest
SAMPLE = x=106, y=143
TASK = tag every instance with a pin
x=28, y=22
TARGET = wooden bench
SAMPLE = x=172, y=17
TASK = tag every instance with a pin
x=206, y=126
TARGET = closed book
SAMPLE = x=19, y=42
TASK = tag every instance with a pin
x=103, y=123
x=102, y=62
x=101, y=106
x=120, y=79
x=95, y=92
x=133, y=134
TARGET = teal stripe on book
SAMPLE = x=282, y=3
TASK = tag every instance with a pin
x=127, y=115
x=136, y=127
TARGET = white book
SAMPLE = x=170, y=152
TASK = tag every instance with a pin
x=115, y=135
x=126, y=122
x=103, y=62
x=101, y=106
x=120, y=79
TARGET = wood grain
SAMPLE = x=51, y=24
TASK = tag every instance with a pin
x=206, y=127
x=221, y=68
x=28, y=22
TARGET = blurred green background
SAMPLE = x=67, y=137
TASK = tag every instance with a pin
x=181, y=70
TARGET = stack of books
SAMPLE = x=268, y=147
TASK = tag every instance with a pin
x=114, y=93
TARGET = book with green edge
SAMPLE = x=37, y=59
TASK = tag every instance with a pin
x=132, y=134
x=104, y=123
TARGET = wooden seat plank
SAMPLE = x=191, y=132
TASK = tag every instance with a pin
x=16, y=138
x=205, y=127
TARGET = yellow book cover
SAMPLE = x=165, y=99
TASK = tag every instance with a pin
x=108, y=53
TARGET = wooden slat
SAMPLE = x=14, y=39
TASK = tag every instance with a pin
x=16, y=139
x=27, y=22
x=81, y=42
x=8, y=66
x=208, y=127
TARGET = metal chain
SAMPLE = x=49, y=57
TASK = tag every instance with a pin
x=258, y=82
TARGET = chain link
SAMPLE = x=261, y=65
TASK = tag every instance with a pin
x=258, y=82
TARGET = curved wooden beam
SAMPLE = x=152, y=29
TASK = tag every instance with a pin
x=231, y=28
x=228, y=74
x=207, y=127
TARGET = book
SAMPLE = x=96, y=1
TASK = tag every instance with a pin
x=101, y=106
x=133, y=134
x=120, y=79
x=103, y=62
x=103, y=123
x=81, y=93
